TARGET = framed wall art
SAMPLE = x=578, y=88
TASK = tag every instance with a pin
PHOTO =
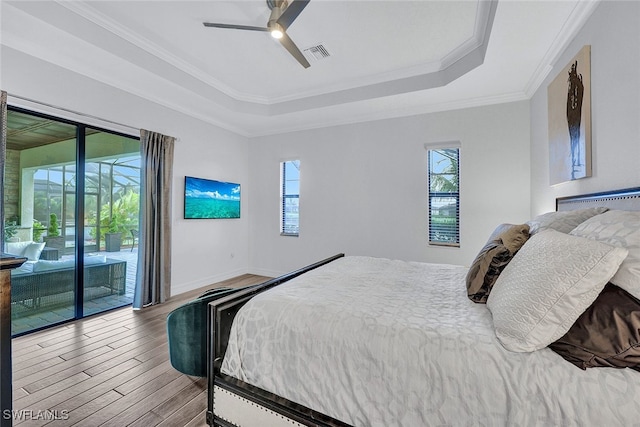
x=569, y=97
x=206, y=198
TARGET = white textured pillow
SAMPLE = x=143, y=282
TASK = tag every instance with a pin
x=563, y=221
x=618, y=228
x=549, y=283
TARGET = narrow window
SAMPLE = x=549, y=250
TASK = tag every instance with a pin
x=290, y=198
x=444, y=196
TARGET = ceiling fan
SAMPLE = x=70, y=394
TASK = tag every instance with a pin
x=282, y=16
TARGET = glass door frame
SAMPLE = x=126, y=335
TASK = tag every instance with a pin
x=79, y=249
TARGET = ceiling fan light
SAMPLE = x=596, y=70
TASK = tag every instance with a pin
x=277, y=32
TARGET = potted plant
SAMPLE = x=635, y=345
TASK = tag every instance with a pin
x=53, y=239
x=118, y=219
x=113, y=237
x=38, y=229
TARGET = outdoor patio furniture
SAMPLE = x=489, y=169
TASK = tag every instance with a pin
x=55, y=286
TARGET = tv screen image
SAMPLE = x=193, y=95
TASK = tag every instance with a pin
x=205, y=198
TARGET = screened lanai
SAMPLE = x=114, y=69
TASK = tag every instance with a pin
x=112, y=188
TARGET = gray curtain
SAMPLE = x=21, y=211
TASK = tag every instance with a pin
x=153, y=281
x=3, y=149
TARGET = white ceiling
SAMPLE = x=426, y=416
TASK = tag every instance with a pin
x=387, y=58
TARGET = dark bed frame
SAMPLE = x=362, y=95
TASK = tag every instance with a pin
x=223, y=311
x=221, y=315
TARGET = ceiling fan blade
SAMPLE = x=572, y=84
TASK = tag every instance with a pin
x=293, y=50
x=292, y=12
x=235, y=27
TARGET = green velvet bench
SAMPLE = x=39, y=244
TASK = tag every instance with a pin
x=187, y=333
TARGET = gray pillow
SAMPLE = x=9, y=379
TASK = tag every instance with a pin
x=564, y=221
x=622, y=229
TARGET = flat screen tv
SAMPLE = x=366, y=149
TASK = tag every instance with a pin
x=205, y=198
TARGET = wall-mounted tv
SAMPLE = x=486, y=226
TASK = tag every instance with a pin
x=205, y=198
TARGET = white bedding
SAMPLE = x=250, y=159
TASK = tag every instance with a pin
x=376, y=342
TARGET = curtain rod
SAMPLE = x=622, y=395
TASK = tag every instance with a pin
x=67, y=110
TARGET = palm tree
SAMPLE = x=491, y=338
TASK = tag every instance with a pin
x=443, y=177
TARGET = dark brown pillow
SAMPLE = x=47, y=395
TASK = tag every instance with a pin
x=606, y=335
x=503, y=244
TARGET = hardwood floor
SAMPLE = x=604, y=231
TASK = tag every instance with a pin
x=108, y=370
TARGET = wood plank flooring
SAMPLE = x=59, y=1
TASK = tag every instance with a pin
x=109, y=370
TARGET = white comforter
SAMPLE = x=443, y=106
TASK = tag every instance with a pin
x=376, y=342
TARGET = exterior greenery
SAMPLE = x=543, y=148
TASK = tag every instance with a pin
x=111, y=198
x=121, y=216
x=10, y=230
x=38, y=229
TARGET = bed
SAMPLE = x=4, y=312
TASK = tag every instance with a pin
x=376, y=342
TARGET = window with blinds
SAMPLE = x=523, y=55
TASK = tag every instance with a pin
x=444, y=196
x=290, y=198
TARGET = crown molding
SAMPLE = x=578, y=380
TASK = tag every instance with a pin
x=391, y=113
x=574, y=23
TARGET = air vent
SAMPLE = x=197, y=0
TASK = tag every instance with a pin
x=316, y=53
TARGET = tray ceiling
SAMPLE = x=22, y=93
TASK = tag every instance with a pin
x=386, y=58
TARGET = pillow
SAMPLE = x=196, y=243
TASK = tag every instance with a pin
x=549, y=283
x=503, y=244
x=94, y=259
x=607, y=334
x=17, y=248
x=33, y=251
x=563, y=221
x=43, y=265
x=618, y=228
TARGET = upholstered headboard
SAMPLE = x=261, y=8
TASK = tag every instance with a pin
x=627, y=199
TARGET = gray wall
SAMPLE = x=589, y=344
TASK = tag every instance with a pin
x=613, y=31
x=364, y=186
x=204, y=251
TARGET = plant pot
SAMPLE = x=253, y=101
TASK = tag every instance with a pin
x=112, y=242
x=56, y=242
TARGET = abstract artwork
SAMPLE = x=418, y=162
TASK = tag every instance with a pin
x=569, y=97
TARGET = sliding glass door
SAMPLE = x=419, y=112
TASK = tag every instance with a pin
x=39, y=173
x=68, y=189
x=111, y=212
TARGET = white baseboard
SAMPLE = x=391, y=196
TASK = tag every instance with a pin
x=267, y=272
x=181, y=288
